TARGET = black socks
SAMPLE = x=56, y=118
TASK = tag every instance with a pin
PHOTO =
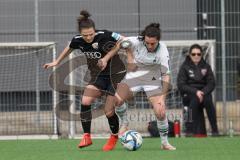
x=86, y=118
x=113, y=123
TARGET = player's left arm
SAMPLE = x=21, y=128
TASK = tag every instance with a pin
x=112, y=52
x=165, y=71
x=165, y=85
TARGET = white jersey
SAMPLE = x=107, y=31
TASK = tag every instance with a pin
x=145, y=59
x=151, y=67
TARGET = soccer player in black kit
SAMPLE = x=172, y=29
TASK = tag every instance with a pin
x=99, y=47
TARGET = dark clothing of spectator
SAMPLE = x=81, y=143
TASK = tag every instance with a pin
x=192, y=78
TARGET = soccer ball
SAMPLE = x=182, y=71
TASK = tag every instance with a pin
x=131, y=140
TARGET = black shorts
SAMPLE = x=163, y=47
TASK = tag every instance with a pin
x=107, y=83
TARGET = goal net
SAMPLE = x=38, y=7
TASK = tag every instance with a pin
x=25, y=98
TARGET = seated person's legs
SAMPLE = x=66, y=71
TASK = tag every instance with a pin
x=187, y=117
x=211, y=113
x=201, y=126
x=195, y=122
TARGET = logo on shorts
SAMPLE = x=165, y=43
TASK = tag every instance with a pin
x=155, y=60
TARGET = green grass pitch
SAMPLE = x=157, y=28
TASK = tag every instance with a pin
x=219, y=148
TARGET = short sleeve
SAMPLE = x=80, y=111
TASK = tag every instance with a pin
x=134, y=41
x=74, y=44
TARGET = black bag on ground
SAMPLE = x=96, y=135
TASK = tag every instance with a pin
x=154, y=132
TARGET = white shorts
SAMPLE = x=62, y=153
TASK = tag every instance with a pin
x=144, y=80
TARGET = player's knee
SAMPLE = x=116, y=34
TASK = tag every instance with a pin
x=121, y=108
x=161, y=114
x=118, y=101
x=109, y=113
x=86, y=101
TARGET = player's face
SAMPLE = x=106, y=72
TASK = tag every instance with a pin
x=196, y=55
x=88, y=34
x=151, y=43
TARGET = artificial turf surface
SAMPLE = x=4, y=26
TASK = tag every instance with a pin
x=217, y=148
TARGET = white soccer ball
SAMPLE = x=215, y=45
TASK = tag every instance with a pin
x=131, y=140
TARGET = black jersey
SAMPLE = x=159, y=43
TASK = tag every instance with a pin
x=103, y=42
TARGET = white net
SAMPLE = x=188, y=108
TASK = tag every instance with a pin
x=25, y=97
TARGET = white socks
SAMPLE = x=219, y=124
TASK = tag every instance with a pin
x=163, y=130
x=122, y=114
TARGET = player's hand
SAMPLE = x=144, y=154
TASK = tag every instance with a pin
x=118, y=45
x=102, y=63
x=200, y=95
x=49, y=65
x=131, y=67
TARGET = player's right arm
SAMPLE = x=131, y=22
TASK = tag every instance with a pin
x=131, y=67
x=67, y=50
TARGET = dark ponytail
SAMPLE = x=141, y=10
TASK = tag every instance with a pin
x=84, y=21
x=152, y=30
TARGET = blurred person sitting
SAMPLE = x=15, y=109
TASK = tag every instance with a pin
x=196, y=82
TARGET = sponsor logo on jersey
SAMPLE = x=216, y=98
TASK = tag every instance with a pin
x=95, y=45
x=204, y=72
x=93, y=55
x=191, y=73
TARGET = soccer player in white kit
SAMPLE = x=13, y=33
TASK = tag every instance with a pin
x=148, y=59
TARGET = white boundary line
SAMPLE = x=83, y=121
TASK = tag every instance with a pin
x=29, y=137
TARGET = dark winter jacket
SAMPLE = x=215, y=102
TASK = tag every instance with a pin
x=193, y=77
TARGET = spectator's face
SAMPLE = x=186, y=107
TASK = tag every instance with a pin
x=196, y=55
x=88, y=34
x=151, y=43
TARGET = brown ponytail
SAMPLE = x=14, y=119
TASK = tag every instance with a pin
x=84, y=21
x=152, y=30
